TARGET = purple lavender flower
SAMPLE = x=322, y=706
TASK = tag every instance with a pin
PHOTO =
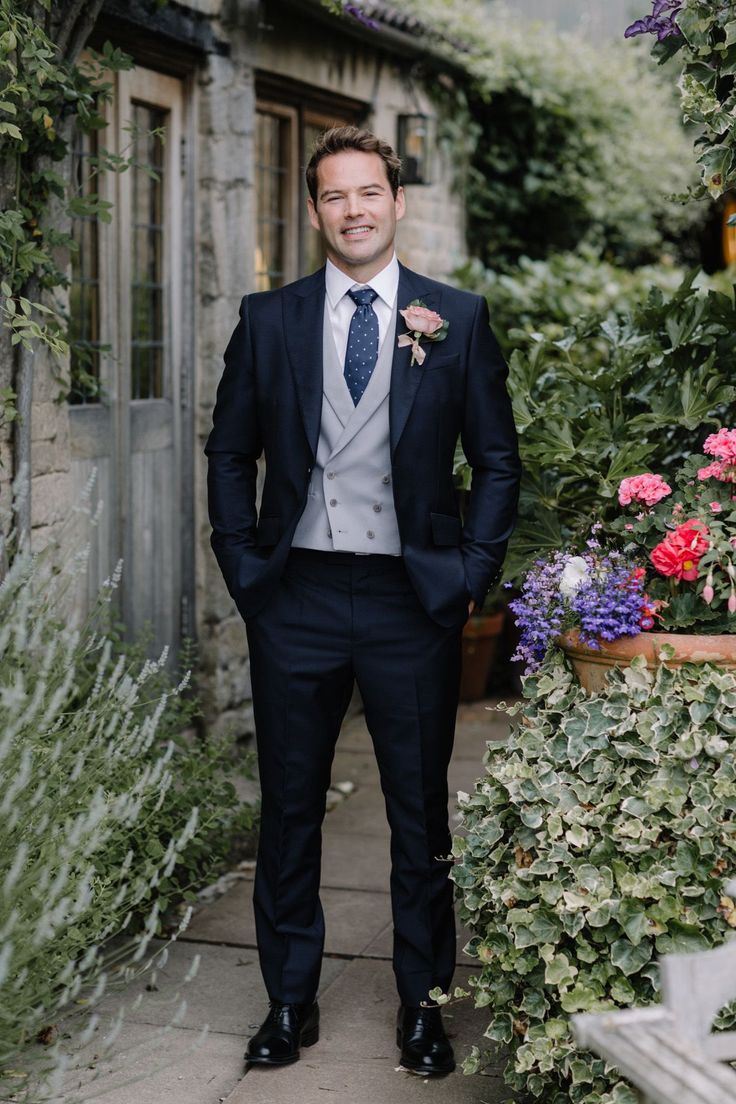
x=359, y=14
x=658, y=22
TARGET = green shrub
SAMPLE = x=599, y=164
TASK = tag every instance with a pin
x=548, y=296
x=109, y=813
x=608, y=399
x=574, y=141
x=597, y=839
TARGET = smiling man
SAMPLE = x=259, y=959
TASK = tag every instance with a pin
x=358, y=568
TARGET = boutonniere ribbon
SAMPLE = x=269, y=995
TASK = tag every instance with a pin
x=422, y=323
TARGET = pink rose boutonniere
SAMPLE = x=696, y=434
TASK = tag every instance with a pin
x=421, y=323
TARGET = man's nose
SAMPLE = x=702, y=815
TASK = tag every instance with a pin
x=353, y=206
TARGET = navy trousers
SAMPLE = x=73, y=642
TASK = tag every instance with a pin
x=335, y=618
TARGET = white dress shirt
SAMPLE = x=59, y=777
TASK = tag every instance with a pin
x=341, y=308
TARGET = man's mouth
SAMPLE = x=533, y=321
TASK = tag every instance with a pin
x=357, y=231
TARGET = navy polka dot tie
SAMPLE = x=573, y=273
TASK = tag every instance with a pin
x=362, y=351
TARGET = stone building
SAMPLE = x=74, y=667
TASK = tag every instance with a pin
x=223, y=102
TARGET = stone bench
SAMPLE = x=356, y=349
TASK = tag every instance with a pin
x=668, y=1051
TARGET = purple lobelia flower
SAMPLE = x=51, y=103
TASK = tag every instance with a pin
x=661, y=22
x=600, y=592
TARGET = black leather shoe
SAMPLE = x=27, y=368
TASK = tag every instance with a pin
x=421, y=1038
x=284, y=1030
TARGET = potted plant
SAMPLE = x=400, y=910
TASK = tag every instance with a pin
x=665, y=576
x=481, y=635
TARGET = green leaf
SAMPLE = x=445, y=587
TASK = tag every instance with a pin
x=629, y=958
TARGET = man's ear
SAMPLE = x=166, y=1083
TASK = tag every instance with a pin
x=400, y=202
x=312, y=212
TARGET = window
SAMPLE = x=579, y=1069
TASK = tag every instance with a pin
x=286, y=129
x=276, y=220
x=148, y=186
x=84, y=288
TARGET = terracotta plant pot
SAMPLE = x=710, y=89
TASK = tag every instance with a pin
x=480, y=647
x=591, y=666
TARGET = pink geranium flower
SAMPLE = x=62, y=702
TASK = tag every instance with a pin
x=719, y=469
x=722, y=444
x=647, y=489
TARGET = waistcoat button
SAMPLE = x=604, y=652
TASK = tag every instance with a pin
x=370, y=534
x=330, y=475
x=386, y=479
x=376, y=508
x=333, y=502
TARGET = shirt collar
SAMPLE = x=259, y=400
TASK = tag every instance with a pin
x=385, y=283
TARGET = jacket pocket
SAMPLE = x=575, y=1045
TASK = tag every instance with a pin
x=268, y=531
x=446, y=529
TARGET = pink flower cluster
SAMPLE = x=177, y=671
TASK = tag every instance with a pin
x=646, y=489
x=679, y=554
x=723, y=445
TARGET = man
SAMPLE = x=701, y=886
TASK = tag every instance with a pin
x=358, y=567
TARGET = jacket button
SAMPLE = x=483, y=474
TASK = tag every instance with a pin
x=333, y=502
x=329, y=532
x=370, y=534
x=376, y=508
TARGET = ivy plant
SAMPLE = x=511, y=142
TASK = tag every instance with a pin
x=596, y=839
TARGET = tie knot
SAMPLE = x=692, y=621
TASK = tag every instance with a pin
x=363, y=297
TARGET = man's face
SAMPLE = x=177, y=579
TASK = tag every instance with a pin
x=356, y=212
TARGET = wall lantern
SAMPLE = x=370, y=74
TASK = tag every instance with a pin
x=413, y=147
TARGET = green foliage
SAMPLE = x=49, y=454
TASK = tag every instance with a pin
x=546, y=296
x=610, y=398
x=707, y=50
x=574, y=143
x=597, y=839
x=110, y=812
x=41, y=92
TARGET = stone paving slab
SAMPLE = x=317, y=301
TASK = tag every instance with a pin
x=152, y=1066
x=352, y=919
x=382, y=946
x=226, y=994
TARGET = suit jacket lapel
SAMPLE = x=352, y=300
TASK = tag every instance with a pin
x=405, y=377
x=303, y=313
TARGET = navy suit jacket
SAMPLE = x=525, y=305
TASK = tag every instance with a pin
x=269, y=401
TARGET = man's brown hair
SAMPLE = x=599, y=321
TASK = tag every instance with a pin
x=341, y=138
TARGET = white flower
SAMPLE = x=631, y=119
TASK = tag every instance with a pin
x=575, y=572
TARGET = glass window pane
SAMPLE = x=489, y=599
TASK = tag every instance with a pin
x=273, y=186
x=84, y=317
x=147, y=336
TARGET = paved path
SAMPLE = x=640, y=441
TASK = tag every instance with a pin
x=355, y=1060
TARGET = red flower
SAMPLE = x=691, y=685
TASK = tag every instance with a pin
x=680, y=552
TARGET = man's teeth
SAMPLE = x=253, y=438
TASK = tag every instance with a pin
x=357, y=230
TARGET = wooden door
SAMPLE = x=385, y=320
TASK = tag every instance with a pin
x=134, y=434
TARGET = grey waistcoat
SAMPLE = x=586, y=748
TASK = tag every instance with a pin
x=350, y=507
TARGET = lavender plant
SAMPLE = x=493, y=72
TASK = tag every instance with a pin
x=103, y=820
